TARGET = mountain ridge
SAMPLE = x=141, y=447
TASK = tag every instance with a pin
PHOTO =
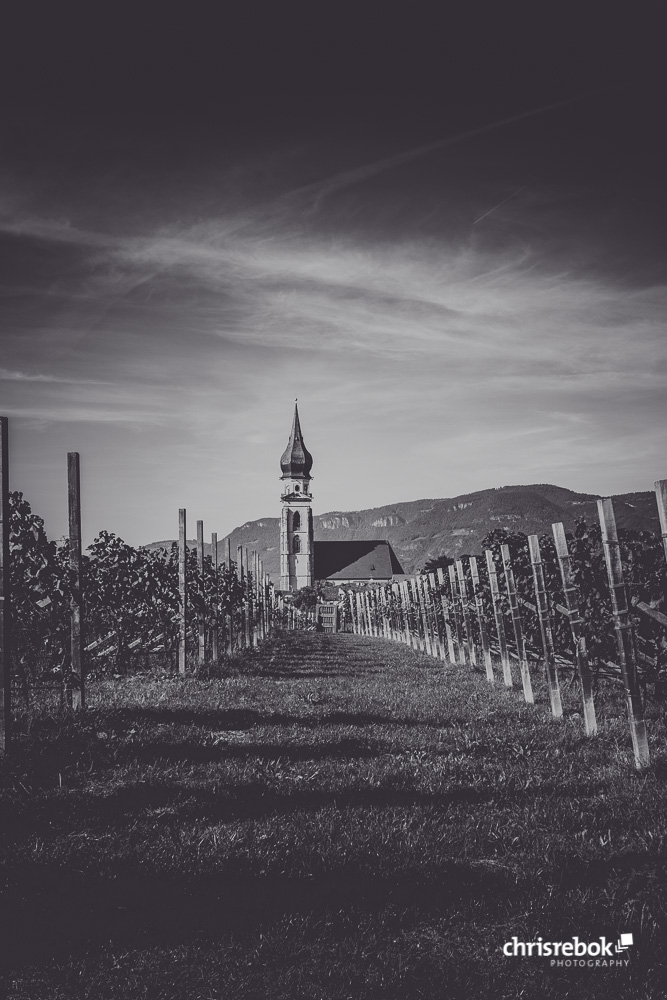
x=419, y=530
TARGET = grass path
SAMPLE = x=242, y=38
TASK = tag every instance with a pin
x=337, y=818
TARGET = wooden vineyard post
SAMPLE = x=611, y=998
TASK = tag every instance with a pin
x=421, y=597
x=624, y=632
x=380, y=609
x=431, y=615
x=661, y=496
x=376, y=598
x=252, y=596
x=361, y=626
x=385, y=611
x=240, y=577
x=545, y=626
x=414, y=595
x=388, y=604
x=216, y=595
x=182, y=591
x=369, y=619
x=248, y=599
x=270, y=604
x=229, y=619
x=483, y=635
x=432, y=593
x=411, y=617
x=257, y=599
x=352, y=615
x=445, y=616
x=5, y=595
x=261, y=593
x=467, y=618
x=457, y=618
x=405, y=612
x=571, y=595
x=201, y=620
x=397, y=633
x=261, y=598
x=371, y=597
x=432, y=645
x=516, y=622
x=498, y=615
x=74, y=690
x=390, y=610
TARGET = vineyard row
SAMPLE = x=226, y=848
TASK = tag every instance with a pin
x=541, y=603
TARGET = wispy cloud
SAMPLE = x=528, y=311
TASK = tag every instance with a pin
x=7, y=375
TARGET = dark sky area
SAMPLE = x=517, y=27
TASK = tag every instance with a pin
x=442, y=228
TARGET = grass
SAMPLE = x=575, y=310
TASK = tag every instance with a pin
x=335, y=817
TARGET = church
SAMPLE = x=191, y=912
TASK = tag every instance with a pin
x=304, y=561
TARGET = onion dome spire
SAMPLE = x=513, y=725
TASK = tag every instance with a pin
x=296, y=459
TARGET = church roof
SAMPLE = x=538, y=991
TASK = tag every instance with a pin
x=355, y=560
x=296, y=459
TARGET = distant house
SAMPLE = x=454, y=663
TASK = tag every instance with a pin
x=303, y=561
x=356, y=562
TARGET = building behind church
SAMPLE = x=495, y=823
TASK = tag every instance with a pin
x=304, y=561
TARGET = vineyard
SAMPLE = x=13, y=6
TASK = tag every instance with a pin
x=586, y=608
x=134, y=605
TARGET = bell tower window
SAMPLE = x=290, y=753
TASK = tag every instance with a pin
x=296, y=544
x=296, y=520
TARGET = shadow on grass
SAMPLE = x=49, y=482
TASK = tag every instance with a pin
x=119, y=720
x=230, y=802
x=48, y=910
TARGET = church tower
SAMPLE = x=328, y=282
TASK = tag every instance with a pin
x=296, y=520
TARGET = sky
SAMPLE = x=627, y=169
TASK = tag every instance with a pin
x=444, y=235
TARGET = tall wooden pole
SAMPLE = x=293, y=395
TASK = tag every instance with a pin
x=5, y=596
x=571, y=595
x=437, y=625
x=414, y=592
x=498, y=615
x=248, y=600
x=421, y=597
x=545, y=626
x=241, y=579
x=467, y=617
x=445, y=615
x=516, y=622
x=460, y=649
x=624, y=632
x=483, y=635
x=216, y=597
x=201, y=617
x=263, y=607
x=230, y=617
x=405, y=611
x=255, y=599
x=182, y=592
x=661, y=497
x=75, y=684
